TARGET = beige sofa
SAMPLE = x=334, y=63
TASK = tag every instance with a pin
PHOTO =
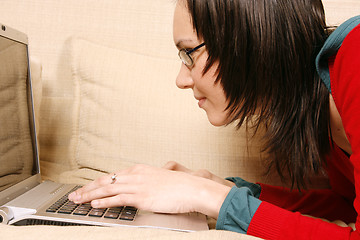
x=108, y=101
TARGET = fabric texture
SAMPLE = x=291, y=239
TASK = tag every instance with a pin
x=117, y=128
x=116, y=233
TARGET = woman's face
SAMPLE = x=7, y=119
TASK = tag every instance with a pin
x=210, y=96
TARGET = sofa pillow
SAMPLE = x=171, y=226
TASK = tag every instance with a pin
x=128, y=110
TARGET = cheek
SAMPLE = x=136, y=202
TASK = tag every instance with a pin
x=217, y=107
x=204, y=81
x=216, y=99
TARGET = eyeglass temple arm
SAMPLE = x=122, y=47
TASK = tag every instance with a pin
x=196, y=48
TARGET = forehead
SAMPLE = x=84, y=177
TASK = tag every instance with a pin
x=183, y=31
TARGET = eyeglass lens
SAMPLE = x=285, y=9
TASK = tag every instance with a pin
x=185, y=57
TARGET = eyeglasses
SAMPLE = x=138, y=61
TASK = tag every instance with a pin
x=185, y=55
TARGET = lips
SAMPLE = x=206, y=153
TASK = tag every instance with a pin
x=201, y=101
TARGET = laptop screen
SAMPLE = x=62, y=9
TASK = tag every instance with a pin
x=18, y=159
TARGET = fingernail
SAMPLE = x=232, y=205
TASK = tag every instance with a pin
x=95, y=203
x=77, y=198
x=71, y=196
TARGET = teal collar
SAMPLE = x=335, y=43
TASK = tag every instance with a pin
x=331, y=46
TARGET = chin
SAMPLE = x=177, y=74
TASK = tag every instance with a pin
x=217, y=121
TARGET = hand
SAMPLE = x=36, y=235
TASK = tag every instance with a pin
x=200, y=173
x=155, y=189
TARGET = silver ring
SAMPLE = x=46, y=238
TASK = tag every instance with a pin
x=113, y=178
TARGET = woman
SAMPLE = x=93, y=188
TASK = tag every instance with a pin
x=247, y=58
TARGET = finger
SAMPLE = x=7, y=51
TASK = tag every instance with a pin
x=98, y=183
x=75, y=196
x=115, y=201
x=203, y=173
x=174, y=166
x=104, y=192
x=119, y=177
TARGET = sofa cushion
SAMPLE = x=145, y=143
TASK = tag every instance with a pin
x=128, y=111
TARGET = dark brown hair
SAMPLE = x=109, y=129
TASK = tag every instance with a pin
x=266, y=51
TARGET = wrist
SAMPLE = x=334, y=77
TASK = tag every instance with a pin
x=211, y=197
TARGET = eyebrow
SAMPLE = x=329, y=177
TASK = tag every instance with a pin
x=180, y=42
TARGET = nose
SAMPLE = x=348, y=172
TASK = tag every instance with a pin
x=184, y=79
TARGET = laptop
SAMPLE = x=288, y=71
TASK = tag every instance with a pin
x=24, y=198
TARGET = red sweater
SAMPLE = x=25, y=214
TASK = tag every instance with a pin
x=280, y=214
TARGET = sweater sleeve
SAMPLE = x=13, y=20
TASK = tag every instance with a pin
x=273, y=222
x=321, y=203
x=345, y=82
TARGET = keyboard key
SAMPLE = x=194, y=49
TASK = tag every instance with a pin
x=129, y=212
x=115, y=209
x=65, y=211
x=71, y=204
x=94, y=213
x=64, y=206
x=130, y=208
x=127, y=217
x=99, y=209
x=51, y=210
x=80, y=212
x=85, y=206
x=111, y=215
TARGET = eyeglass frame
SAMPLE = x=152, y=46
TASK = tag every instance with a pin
x=188, y=54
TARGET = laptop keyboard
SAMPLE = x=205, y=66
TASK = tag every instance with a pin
x=64, y=206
